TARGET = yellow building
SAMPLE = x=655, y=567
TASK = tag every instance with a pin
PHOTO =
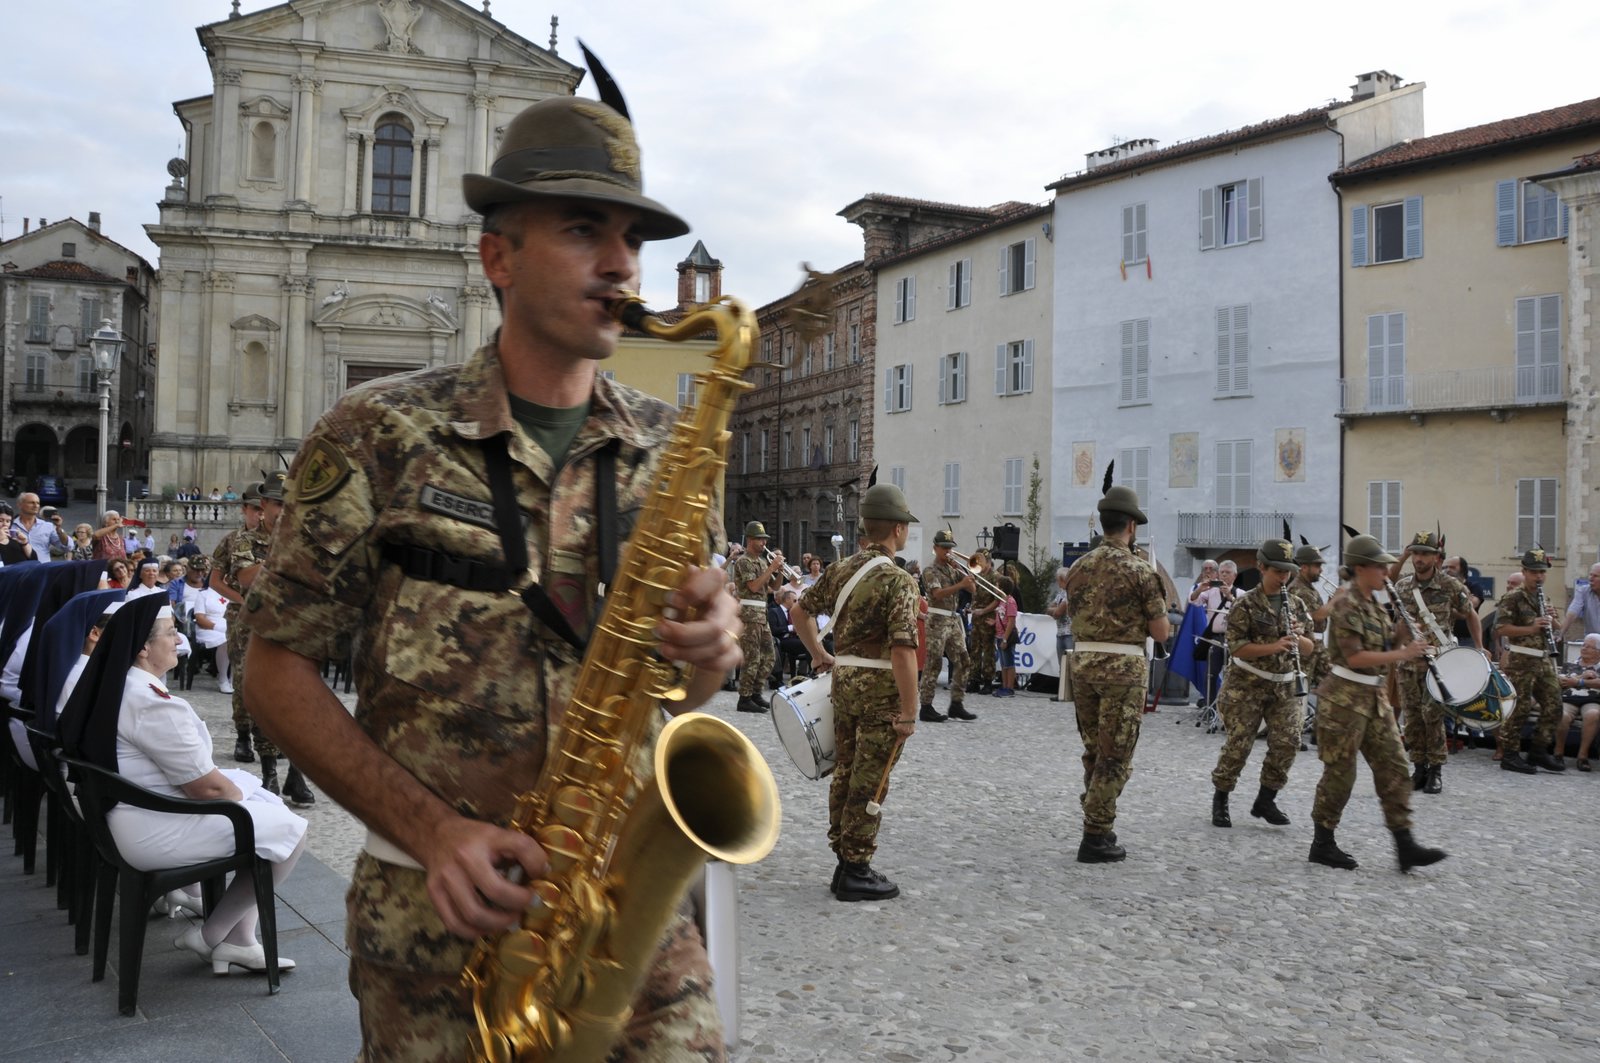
x=1455, y=387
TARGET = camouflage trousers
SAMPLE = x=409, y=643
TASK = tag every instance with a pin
x=1244, y=703
x=238, y=639
x=1423, y=725
x=1109, y=715
x=426, y=1016
x=1537, y=691
x=759, y=653
x=946, y=638
x=1341, y=734
x=980, y=657
x=864, y=750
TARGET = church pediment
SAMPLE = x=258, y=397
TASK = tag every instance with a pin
x=255, y=323
x=264, y=106
x=385, y=310
x=391, y=98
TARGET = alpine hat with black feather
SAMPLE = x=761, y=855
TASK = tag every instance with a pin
x=1120, y=499
x=573, y=148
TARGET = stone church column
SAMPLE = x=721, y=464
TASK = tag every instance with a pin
x=304, y=117
x=474, y=303
x=225, y=132
x=1580, y=194
x=352, y=167
x=217, y=364
x=292, y=423
x=432, y=180
x=478, y=159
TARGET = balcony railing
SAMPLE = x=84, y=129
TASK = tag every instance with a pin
x=1490, y=388
x=45, y=394
x=201, y=512
x=1230, y=527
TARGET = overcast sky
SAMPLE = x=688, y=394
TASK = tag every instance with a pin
x=759, y=121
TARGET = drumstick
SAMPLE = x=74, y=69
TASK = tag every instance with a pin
x=876, y=804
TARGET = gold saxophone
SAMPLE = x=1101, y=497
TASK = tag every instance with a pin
x=622, y=849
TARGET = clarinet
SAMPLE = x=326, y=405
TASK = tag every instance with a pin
x=1300, y=690
x=1416, y=633
x=1549, y=632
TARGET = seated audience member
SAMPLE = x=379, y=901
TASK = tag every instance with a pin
x=790, y=648
x=1580, y=694
x=210, y=619
x=117, y=574
x=149, y=571
x=122, y=717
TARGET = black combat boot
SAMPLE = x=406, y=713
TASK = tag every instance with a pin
x=838, y=873
x=958, y=711
x=1266, y=807
x=1219, y=809
x=295, y=790
x=760, y=701
x=1100, y=849
x=1324, y=850
x=1435, y=784
x=241, y=746
x=1411, y=854
x=929, y=714
x=269, y=774
x=1512, y=761
x=1419, y=776
x=750, y=705
x=1546, y=761
x=858, y=882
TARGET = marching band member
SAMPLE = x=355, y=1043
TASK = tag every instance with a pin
x=947, y=636
x=753, y=575
x=1530, y=633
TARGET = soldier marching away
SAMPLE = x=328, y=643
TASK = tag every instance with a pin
x=1444, y=600
x=1530, y=668
x=753, y=576
x=1353, y=716
x=1261, y=685
x=250, y=511
x=1116, y=600
x=874, y=684
x=947, y=636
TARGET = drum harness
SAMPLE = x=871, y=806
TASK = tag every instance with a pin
x=849, y=660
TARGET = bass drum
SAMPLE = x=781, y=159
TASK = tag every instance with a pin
x=803, y=715
x=1465, y=673
x=1489, y=710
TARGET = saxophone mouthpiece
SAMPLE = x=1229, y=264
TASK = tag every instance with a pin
x=628, y=308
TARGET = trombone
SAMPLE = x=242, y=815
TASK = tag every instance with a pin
x=790, y=573
x=964, y=563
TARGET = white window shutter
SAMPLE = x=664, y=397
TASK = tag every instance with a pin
x=1224, y=351
x=899, y=300
x=1505, y=213
x=1358, y=236
x=952, y=289
x=944, y=380
x=1375, y=499
x=1377, y=356
x=888, y=389
x=1241, y=473
x=1253, y=190
x=1027, y=363
x=1564, y=221
x=1000, y=369
x=908, y=386
x=966, y=282
x=1027, y=264
x=1413, y=223
x=1126, y=394
x=1141, y=359
x=911, y=298
x=1241, y=348
x=961, y=377
x=1208, y=219
x=1005, y=271
x=1127, y=235
x=1224, y=475
x=1141, y=249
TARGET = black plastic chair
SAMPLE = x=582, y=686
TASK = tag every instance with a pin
x=26, y=794
x=69, y=836
x=98, y=790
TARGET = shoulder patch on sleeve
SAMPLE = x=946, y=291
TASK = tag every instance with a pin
x=324, y=472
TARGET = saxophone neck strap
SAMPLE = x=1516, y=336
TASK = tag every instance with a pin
x=508, y=522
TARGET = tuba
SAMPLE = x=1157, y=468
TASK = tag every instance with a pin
x=622, y=848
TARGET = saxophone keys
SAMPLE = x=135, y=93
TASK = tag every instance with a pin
x=562, y=845
x=521, y=954
x=575, y=807
x=546, y=899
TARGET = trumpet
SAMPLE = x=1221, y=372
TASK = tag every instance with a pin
x=964, y=563
x=789, y=571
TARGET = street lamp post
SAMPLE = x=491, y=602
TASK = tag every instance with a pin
x=107, y=345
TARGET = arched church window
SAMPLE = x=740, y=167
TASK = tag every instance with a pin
x=391, y=167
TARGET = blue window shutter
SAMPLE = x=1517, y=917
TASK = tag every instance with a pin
x=1505, y=213
x=1563, y=221
x=1413, y=220
x=1253, y=190
x=1358, y=236
x=1208, y=219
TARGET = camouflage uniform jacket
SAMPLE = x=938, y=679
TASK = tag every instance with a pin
x=1310, y=599
x=460, y=687
x=934, y=577
x=744, y=569
x=881, y=611
x=224, y=551
x=1520, y=608
x=247, y=549
x=1112, y=595
x=1255, y=618
x=1446, y=598
x=1363, y=620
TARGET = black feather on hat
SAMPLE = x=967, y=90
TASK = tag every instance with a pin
x=1349, y=531
x=604, y=83
x=1105, y=484
x=1286, y=534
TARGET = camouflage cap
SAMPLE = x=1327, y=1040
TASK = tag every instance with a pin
x=756, y=530
x=576, y=148
x=1365, y=550
x=1535, y=560
x=1123, y=499
x=942, y=537
x=1308, y=555
x=1424, y=543
x=1278, y=554
x=886, y=502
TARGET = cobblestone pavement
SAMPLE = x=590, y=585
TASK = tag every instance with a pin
x=1205, y=944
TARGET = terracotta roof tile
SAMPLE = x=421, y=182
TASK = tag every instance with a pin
x=66, y=270
x=1202, y=146
x=905, y=201
x=1018, y=212
x=1558, y=121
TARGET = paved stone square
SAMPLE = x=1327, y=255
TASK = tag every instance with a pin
x=1205, y=944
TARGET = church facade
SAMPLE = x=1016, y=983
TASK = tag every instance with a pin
x=314, y=235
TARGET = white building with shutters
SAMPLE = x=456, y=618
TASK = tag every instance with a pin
x=1462, y=406
x=1197, y=327
x=964, y=381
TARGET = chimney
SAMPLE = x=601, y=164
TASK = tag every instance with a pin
x=42, y=223
x=1122, y=149
x=1373, y=83
x=691, y=288
x=25, y=223
x=94, y=221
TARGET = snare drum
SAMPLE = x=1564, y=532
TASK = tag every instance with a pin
x=1489, y=710
x=1465, y=673
x=803, y=715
